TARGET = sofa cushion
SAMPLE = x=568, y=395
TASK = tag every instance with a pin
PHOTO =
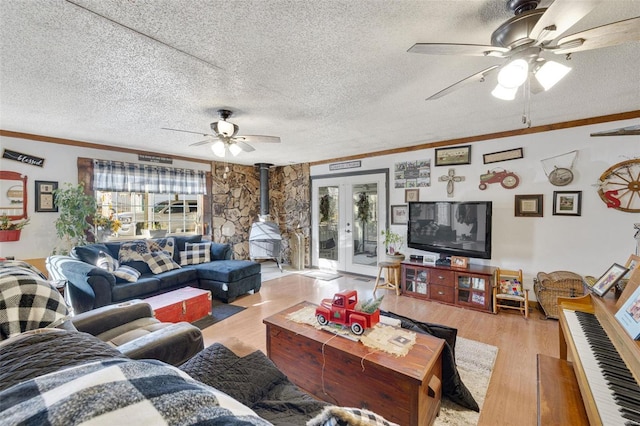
x=195, y=253
x=180, y=277
x=141, y=288
x=132, y=251
x=162, y=244
x=127, y=273
x=160, y=261
x=220, y=251
x=227, y=271
x=180, y=241
x=89, y=253
x=107, y=262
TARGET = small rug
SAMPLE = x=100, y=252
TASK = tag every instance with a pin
x=475, y=362
x=322, y=275
x=219, y=312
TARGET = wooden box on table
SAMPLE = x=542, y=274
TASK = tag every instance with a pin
x=185, y=304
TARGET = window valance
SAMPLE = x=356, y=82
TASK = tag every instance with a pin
x=131, y=177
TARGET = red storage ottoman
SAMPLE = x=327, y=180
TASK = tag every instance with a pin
x=185, y=304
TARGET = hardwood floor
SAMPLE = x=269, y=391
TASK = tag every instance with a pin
x=511, y=397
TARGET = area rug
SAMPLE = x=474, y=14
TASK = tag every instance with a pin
x=322, y=275
x=475, y=362
x=219, y=312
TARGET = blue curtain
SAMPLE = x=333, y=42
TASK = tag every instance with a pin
x=132, y=177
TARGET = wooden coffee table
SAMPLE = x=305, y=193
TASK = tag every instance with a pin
x=405, y=390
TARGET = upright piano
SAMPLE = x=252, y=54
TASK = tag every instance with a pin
x=605, y=360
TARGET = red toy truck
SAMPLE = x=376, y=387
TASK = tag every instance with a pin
x=341, y=310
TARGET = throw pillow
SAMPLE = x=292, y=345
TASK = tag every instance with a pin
x=132, y=251
x=127, y=273
x=160, y=261
x=162, y=244
x=195, y=253
x=107, y=262
x=513, y=287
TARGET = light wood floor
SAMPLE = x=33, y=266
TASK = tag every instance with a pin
x=511, y=397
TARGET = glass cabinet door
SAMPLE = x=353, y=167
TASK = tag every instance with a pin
x=472, y=290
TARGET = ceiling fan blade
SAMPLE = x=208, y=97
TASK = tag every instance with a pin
x=245, y=146
x=562, y=14
x=458, y=49
x=603, y=36
x=477, y=77
x=206, y=141
x=257, y=138
x=186, y=131
x=623, y=131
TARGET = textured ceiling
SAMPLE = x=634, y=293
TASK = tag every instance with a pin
x=330, y=78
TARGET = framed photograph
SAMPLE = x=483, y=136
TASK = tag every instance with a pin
x=399, y=215
x=509, y=154
x=608, y=279
x=528, y=205
x=44, y=196
x=567, y=203
x=429, y=259
x=453, y=156
x=411, y=195
x=459, y=262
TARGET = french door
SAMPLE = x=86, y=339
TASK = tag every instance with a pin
x=348, y=215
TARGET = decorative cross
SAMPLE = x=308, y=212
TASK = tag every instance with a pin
x=450, y=178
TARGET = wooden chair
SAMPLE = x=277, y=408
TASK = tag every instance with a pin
x=509, y=292
x=391, y=277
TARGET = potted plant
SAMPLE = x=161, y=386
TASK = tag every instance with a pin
x=393, y=245
x=106, y=226
x=10, y=230
x=363, y=213
x=75, y=208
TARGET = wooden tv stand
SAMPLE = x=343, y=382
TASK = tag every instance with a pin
x=469, y=287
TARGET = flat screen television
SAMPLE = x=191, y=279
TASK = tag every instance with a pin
x=451, y=227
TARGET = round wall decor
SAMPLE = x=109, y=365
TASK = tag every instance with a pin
x=619, y=186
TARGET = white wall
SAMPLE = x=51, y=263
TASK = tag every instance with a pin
x=586, y=244
x=38, y=238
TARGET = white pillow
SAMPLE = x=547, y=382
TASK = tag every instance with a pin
x=127, y=273
x=195, y=253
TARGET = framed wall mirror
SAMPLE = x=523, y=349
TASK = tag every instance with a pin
x=13, y=195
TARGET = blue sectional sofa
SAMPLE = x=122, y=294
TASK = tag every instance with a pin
x=94, y=281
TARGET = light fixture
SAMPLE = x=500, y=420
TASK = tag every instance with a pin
x=234, y=149
x=218, y=149
x=513, y=74
x=505, y=93
x=224, y=128
x=549, y=73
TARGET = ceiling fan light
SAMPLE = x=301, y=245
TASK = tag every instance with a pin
x=218, y=149
x=513, y=74
x=505, y=93
x=550, y=73
x=224, y=128
x=235, y=149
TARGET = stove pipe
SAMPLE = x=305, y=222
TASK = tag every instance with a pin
x=264, y=189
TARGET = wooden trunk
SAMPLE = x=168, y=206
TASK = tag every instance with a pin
x=185, y=304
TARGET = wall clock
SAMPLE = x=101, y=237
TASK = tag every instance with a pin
x=619, y=186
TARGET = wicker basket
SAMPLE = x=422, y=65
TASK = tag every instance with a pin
x=549, y=286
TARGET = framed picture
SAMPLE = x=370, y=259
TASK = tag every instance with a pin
x=509, y=154
x=453, y=156
x=399, y=215
x=44, y=196
x=411, y=195
x=567, y=203
x=608, y=279
x=459, y=262
x=528, y=205
x=429, y=259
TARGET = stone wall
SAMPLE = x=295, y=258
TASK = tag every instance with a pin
x=236, y=205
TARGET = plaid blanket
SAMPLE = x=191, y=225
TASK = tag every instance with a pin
x=27, y=300
x=120, y=392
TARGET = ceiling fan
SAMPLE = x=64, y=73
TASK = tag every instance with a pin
x=524, y=37
x=224, y=137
